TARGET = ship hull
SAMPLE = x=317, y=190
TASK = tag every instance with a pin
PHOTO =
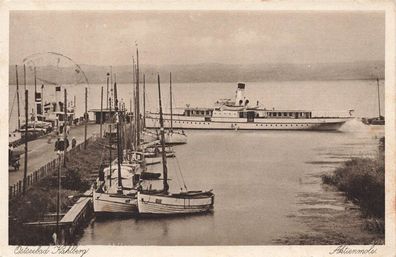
x=175, y=138
x=106, y=204
x=322, y=124
x=168, y=205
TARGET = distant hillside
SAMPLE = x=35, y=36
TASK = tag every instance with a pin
x=210, y=72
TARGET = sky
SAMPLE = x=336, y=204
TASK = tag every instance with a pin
x=192, y=37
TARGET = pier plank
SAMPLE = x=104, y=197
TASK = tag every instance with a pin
x=76, y=211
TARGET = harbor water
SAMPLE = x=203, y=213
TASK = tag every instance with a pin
x=266, y=183
x=262, y=181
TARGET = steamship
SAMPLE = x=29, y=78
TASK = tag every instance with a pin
x=239, y=115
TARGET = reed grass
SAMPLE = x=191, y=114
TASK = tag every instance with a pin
x=363, y=182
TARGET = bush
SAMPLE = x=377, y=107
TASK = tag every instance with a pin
x=363, y=181
x=73, y=180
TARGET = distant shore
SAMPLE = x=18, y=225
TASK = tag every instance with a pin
x=212, y=72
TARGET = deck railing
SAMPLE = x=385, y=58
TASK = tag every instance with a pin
x=16, y=190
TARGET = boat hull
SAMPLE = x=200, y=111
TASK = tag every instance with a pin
x=104, y=203
x=166, y=205
x=175, y=138
x=322, y=124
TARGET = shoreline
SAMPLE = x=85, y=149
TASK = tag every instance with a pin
x=359, y=223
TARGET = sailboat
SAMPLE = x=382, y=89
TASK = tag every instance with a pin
x=173, y=137
x=142, y=153
x=380, y=120
x=162, y=202
x=116, y=192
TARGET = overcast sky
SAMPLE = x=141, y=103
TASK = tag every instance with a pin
x=189, y=37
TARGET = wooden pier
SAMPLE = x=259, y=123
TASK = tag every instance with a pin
x=76, y=218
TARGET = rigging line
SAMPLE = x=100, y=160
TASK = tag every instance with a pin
x=12, y=107
x=177, y=177
x=181, y=174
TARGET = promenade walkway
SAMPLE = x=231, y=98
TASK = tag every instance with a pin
x=41, y=151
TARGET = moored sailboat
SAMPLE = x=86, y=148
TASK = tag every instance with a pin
x=162, y=202
x=109, y=199
x=380, y=120
x=118, y=196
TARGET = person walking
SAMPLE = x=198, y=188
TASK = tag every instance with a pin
x=74, y=142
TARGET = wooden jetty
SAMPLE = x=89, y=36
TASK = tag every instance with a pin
x=76, y=218
x=71, y=222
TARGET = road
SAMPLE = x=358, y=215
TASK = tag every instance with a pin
x=41, y=151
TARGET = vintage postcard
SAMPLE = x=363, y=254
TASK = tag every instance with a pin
x=178, y=128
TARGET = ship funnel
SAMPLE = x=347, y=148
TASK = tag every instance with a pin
x=240, y=93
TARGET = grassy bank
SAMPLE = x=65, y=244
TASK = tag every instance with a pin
x=41, y=199
x=363, y=181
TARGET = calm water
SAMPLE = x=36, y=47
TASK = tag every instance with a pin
x=259, y=178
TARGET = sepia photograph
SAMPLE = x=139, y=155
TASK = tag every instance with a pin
x=190, y=127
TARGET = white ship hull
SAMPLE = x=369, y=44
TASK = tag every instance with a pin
x=174, y=138
x=171, y=138
x=105, y=203
x=182, y=122
x=167, y=205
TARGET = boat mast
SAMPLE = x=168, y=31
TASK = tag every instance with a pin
x=144, y=101
x=42, y=102
x=379, y=100
x=110, y=137
x=137, y=101
x=35, y=81
x=134, y=103
x=17, y=83
x=107, y=90
x=24, y=76
x=119, y=151
x=164, y=167
x=131, y=110
x=35, y=94
x=171, y=107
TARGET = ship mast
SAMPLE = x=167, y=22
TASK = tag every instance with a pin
x=35, y=95
x=134, y=103
x=119, y=150
x=171, y=107
x=110, y=137
x=137, y=101
x=17, y=84
x=379, y=100
x=164, y=167
x=144, y=101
